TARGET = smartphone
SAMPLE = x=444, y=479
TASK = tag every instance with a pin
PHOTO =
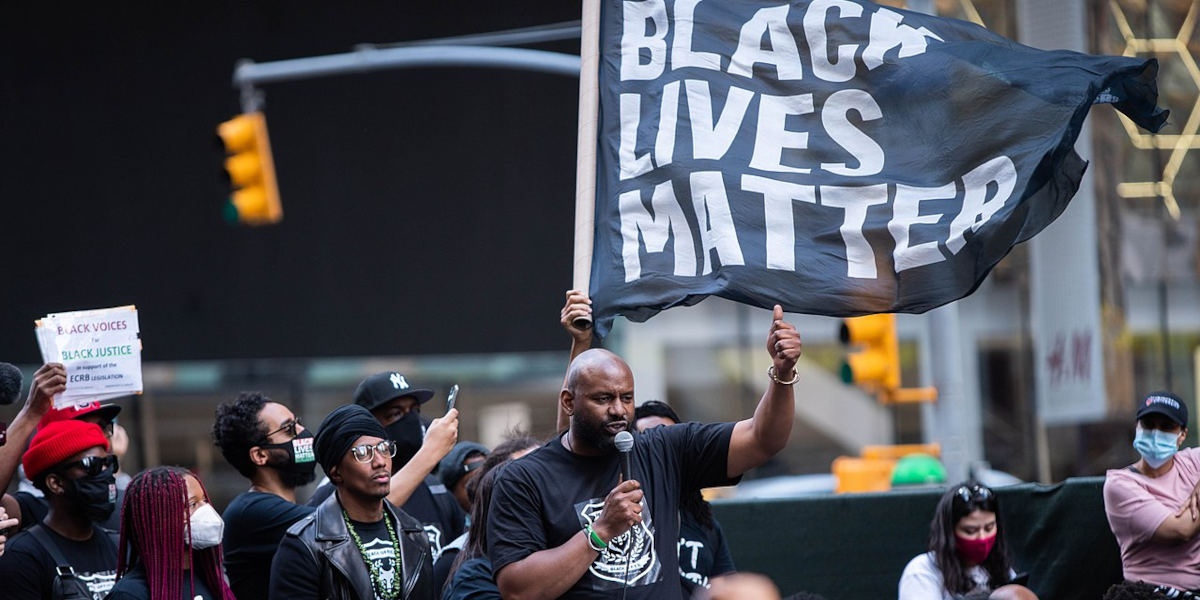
x=451, y=397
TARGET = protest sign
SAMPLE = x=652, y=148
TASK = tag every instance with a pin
x=100, y=349
x=833, y=156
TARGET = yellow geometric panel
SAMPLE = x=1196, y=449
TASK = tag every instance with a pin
x=1179, y=144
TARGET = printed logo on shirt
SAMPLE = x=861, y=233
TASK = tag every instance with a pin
x=383, y=555
x=98, y=584
x=689, y=558
x=435, y=540
x=629, y=557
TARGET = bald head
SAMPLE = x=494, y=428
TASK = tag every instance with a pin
x=1013, y=592
x=595, y=363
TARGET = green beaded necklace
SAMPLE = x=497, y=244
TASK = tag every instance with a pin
x=387, y=592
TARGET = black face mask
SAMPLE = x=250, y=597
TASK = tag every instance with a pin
x=408, y=434
x=299, y=467
x=94, y=495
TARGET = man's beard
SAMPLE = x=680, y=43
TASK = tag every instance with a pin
x=594, y=433
x=290, y=476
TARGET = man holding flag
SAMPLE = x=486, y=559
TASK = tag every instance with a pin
x=565, y=524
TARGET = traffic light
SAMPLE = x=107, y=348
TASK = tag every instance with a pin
x=250, y=170
x=876, y=365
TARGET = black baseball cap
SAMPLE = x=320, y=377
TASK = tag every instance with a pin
x=381, y=388
x=1164, y=403
x=451, y=469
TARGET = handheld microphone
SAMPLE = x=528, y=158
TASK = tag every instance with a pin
x=624, y=443
x=10, y=383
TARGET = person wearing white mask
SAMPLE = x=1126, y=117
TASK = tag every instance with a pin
x=1153, y=505
x=170, y=540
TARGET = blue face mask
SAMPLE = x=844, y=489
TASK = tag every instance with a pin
x=1156, y=447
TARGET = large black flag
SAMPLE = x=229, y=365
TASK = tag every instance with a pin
x=833, y=156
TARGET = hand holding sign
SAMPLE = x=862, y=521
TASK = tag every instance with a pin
x=99, y=349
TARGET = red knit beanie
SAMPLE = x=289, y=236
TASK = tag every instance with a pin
x=59, y=441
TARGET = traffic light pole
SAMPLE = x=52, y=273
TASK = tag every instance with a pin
x=248, y=74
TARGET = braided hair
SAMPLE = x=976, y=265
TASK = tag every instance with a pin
x=155, y=533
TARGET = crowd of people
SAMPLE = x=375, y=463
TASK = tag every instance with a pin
x=407, y=510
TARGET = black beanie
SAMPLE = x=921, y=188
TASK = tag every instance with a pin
x=341, y=429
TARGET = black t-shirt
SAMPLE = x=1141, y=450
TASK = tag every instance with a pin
x=134, y=586
x=431, y=504
x=255, y=522
x=703, y=553
x=473, y=581
x=27, y=569
x=381, y=551
x=543, y=499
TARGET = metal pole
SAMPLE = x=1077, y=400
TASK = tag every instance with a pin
x=953, y=425
x=368, y=58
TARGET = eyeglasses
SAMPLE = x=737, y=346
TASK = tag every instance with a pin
x=290, y=427
x=974, y=492
x=365, y=453
x=94, y=465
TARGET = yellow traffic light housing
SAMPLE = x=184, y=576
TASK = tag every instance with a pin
x=251, y=170
x=876, y=365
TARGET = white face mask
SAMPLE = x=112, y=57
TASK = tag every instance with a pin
x=207, y=528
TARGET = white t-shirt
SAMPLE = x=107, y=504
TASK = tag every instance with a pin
x=922, y=580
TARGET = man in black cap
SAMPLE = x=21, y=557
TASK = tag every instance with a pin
x=459, y=467
x=396, y=405
x=1153, y=505
x=356, y=545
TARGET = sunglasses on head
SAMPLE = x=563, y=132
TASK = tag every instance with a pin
x=974, y=492
x=364, y=453
x=94, y=465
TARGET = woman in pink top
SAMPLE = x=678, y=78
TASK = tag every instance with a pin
x=1153, y=505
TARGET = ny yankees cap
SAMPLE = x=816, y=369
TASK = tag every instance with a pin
x=381, y=388
x=1164, y=403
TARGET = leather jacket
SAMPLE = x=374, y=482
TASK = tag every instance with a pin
x=343, y=573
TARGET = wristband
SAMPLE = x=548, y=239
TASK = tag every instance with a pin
x=593, y=541
x=774, y=377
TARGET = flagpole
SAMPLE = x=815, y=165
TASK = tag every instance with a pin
x=585, y=165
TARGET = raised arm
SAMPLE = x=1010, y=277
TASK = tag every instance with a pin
x=49, y=380
x=760, y=437
x=577, y=305
x=549, y=573
x=439, y=440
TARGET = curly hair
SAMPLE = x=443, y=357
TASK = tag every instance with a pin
x=237, y=429
x=1133, y=590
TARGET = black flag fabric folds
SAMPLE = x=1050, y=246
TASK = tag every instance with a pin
x=834, y=156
